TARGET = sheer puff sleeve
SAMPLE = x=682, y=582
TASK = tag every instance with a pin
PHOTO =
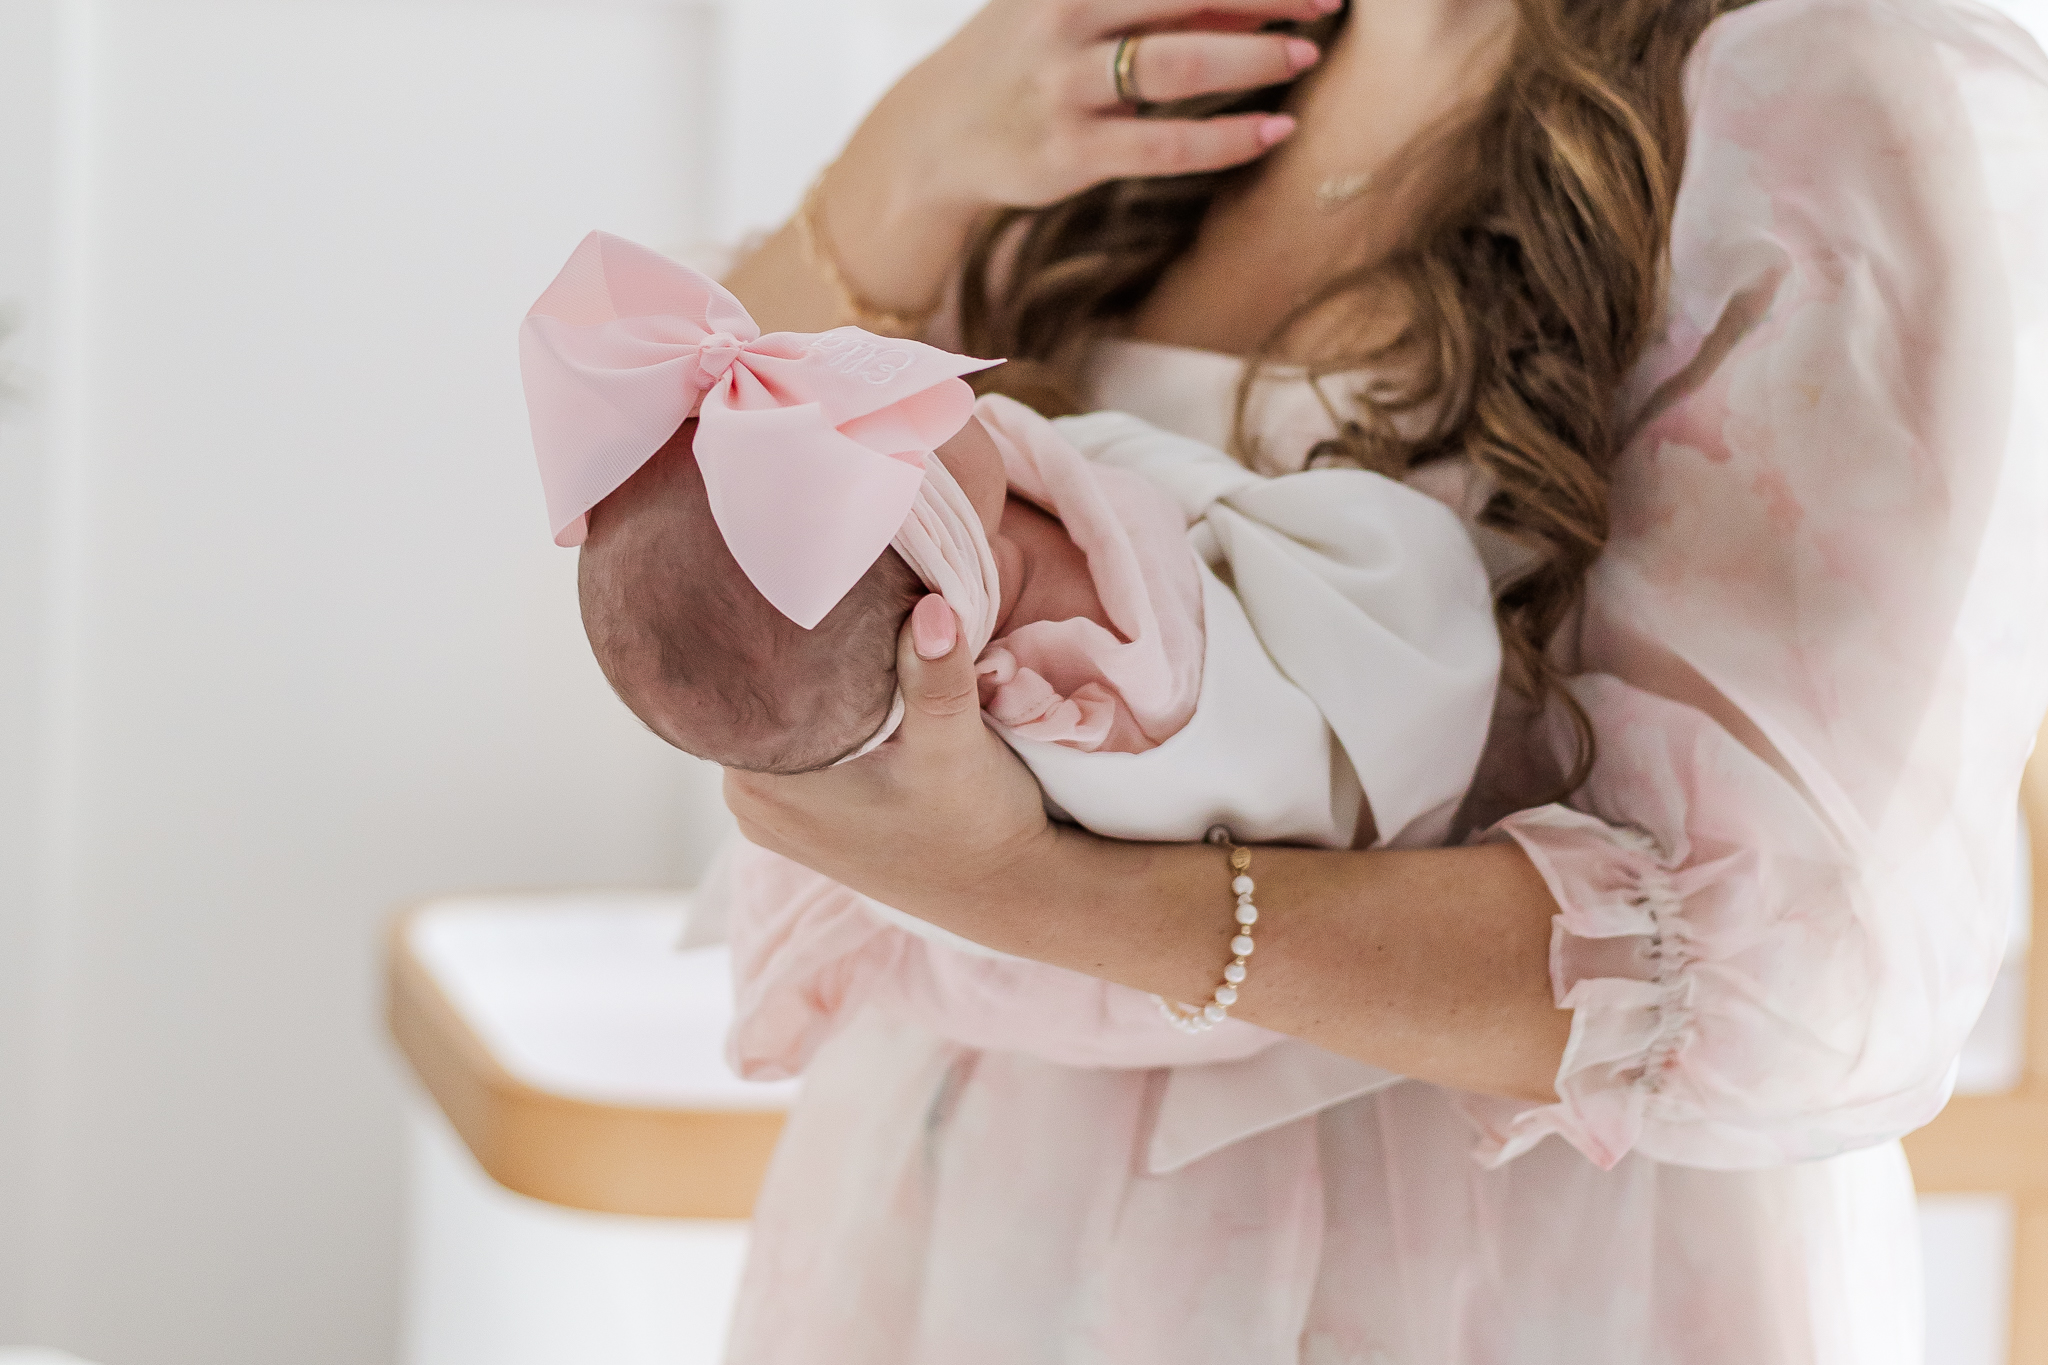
x=1813, y=649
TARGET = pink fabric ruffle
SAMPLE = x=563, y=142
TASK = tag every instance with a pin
x=1072, y=682
x=1677, y=885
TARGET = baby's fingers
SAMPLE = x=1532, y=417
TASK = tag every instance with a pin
x=1131, y=147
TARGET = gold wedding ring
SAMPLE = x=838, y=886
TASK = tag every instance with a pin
x=1123, y=69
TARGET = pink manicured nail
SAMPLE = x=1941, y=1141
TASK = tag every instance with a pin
x=933, y=628
x=1302, y=54
x=1274, y=127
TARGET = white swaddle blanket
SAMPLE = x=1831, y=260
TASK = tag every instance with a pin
x=1350, y=648
x=1342, y=589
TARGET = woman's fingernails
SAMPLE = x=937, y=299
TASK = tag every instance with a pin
x=1302, y=54
x=1274, y=127
x=1327, y=6
x=933, y=628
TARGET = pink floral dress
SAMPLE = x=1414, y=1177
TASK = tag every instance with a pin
x=1815, y=651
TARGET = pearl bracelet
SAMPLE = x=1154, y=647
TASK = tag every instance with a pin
x=1200, y=1019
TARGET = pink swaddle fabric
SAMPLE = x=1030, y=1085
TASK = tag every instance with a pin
x=1072, y=682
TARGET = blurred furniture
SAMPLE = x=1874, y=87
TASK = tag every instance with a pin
x=1998, y=1143
x=580, y=1177
x=580, y=1055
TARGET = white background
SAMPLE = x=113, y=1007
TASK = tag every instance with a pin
x=283, y=643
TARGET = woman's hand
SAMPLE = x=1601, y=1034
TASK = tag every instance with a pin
x=941, y=809
x=1020, y=107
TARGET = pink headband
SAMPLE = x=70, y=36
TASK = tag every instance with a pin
x=815, y=448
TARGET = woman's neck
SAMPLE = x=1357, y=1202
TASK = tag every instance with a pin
x=1397, y=70
x=1393, y=70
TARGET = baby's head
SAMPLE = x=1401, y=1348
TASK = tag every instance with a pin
x=699, y=655
x=814, y=444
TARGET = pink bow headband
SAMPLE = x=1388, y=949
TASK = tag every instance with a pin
x=815, y=448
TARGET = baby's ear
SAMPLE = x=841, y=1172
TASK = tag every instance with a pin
x=976, y=465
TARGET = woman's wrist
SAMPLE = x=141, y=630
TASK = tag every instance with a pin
x=1077, y=900
x=890, y=221
x=886, y=254
x=907, y=178
x=875, y=235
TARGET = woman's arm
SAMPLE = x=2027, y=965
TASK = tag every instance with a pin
x=1018, y=109
x=1432, y=963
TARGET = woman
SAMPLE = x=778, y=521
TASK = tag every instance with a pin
x=1706, y=316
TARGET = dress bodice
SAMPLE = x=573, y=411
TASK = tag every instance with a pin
x=1288, y=413
x=1194, y=393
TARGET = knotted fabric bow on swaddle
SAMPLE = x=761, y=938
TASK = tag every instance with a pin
x=816, y=448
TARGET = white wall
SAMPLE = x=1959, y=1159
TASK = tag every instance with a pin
x=306, y=651
x=283, y=642
x=282, y=639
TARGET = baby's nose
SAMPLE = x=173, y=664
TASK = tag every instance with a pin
x=715, y=355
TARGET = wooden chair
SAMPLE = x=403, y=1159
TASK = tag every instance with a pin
x=675, y=1151
x=1998, y=1144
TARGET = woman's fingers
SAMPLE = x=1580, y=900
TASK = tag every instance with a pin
x=940, y=691
x=1131, y=147
x=1114, y=16
x=1174, y=66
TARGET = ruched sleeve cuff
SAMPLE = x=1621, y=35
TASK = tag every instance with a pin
x=1743, y=994
x=1622, y=913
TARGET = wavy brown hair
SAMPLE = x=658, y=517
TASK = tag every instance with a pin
x=1526, y=287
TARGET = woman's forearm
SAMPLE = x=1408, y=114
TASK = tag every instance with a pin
x=1433, y=963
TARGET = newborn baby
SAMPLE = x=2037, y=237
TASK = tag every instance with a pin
x=716, y=670
x=1167, y=640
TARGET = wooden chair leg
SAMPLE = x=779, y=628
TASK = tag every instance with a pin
x=2030, y=1281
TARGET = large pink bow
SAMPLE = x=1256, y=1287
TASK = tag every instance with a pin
x=812, y=445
